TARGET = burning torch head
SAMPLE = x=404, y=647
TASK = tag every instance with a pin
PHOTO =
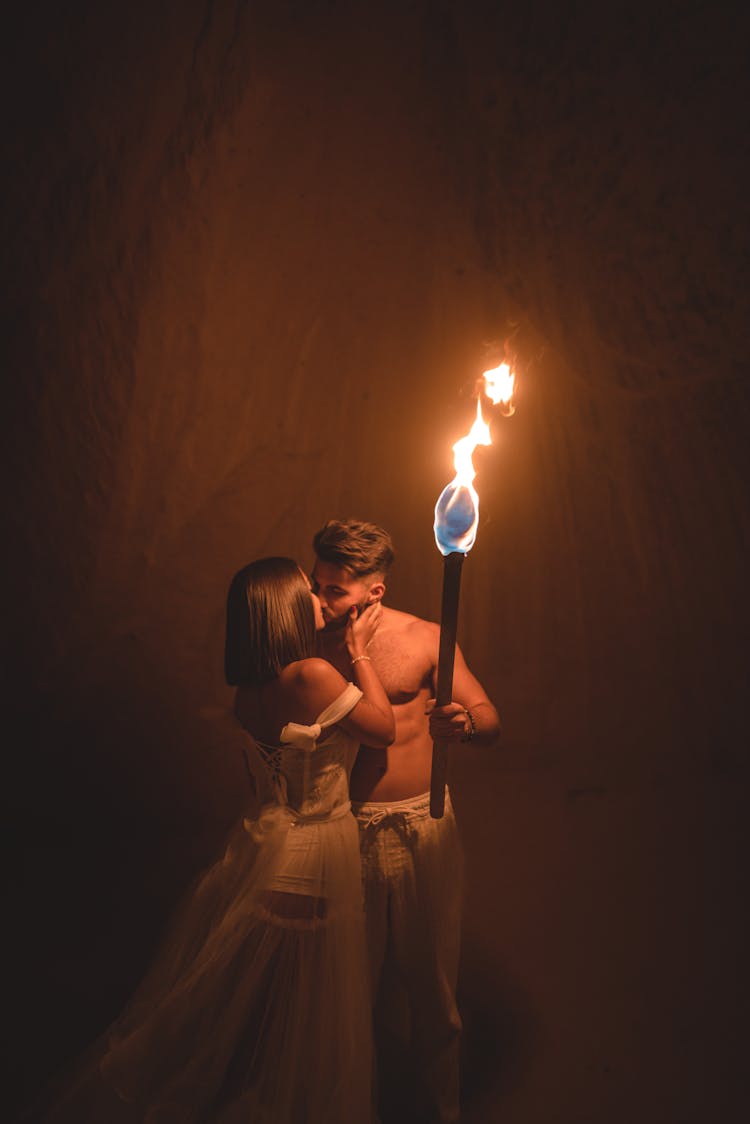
x=457, y=509
x=456, y=518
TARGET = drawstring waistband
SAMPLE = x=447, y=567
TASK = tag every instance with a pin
x=372, y=813
x=378, y=816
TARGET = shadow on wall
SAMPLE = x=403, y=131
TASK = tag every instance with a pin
x=498, y=1032
x=497, y=1045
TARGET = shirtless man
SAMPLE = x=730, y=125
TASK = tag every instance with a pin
x=411, y=863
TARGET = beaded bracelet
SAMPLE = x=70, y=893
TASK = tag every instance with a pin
x=356, y=658
x=472, y=724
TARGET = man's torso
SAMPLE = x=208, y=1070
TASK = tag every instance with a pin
x=404, y=654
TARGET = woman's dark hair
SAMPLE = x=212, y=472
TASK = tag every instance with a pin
x=270, y=621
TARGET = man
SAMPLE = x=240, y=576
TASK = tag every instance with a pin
x=411, y=863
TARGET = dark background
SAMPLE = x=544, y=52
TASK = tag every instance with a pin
x=254, y=257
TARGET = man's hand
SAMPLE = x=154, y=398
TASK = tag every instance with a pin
x=449, y=723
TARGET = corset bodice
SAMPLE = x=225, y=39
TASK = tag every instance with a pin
x=309, y=769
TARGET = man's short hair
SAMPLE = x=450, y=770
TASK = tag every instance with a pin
x=363, y=548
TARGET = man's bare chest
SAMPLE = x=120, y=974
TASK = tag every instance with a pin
x=402, y=674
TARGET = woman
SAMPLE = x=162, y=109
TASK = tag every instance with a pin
x=257, y=1008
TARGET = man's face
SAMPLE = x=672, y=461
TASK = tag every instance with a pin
x=338, y=590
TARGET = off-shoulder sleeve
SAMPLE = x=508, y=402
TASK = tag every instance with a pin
x=305, y=737
x=341, y=706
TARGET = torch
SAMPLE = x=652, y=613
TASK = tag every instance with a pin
x=456, y=522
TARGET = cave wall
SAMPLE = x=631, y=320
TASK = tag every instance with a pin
x=256, y=256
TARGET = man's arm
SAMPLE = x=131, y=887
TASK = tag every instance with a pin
x=470, y=716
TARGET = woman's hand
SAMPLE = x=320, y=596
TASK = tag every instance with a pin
x=360, y=629
x=371, y=721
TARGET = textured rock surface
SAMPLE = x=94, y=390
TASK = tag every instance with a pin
x=255, y=257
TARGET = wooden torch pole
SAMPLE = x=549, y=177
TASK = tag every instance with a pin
x=444, y=691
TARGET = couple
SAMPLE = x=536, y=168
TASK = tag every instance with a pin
x=260, y=1007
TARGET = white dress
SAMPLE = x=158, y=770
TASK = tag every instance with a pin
x=257, y=1008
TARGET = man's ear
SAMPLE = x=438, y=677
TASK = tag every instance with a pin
x=375, y=593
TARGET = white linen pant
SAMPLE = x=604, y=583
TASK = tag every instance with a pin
x=412, y=880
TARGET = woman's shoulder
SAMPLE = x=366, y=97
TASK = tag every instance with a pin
x=315, y=679
x=310, y=671
x=310, y=686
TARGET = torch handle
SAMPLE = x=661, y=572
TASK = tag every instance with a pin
x=444, y=688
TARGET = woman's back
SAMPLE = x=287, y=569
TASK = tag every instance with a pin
x=292, y=696
x=257, y=1005
x=303, y=765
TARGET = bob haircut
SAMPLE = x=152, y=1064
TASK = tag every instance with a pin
x=270, y=621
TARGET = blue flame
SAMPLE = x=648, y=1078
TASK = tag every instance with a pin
x=456, y=518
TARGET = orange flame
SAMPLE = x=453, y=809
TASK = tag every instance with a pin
x=457, y=509
x=500, y=386
x=479, y=434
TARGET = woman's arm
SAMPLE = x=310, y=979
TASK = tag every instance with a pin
x=371, y=719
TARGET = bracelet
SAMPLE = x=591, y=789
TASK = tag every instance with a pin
x=472, y=724
x=357, y=658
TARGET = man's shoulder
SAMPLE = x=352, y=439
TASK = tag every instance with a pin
x=405, y=651
x=408, y=629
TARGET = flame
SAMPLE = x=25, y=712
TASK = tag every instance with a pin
x=457, y=509
x=500, y=386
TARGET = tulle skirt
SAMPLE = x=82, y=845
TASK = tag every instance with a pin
x=257, y=1007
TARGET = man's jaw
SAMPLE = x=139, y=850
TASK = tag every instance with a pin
x=338, y=624
x=334, y=624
